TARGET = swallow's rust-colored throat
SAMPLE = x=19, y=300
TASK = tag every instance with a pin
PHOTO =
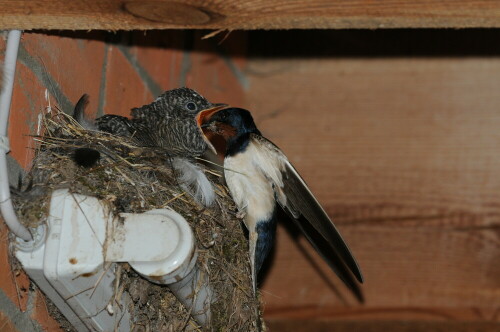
x=202, y=117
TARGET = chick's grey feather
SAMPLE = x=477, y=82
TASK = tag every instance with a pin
x=168, y=123
x=117, y=125
x=171, y=124
x=79, y=113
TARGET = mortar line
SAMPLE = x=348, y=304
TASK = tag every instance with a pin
x=185, y=68
x=19, y=319
x=37, y=68
x=238, y=74
x=103, y=84
x=151, y=84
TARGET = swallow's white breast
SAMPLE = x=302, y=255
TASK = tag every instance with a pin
x=250, y=176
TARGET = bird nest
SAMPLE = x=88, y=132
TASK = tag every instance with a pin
x=130, y=178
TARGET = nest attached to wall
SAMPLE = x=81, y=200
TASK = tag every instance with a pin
x=137, y=179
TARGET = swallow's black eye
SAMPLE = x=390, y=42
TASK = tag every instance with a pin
x=191, y=106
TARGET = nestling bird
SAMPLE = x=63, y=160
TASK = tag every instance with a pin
x=261, y=180
x=168, y=123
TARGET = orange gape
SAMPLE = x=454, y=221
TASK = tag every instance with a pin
x=204, y=116
x=219, y=143
x=215, y=141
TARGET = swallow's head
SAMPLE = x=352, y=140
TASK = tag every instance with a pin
x=229, y=123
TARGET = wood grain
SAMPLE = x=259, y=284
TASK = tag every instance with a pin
x=404, y=155
x=256, y=14
x=377, y=326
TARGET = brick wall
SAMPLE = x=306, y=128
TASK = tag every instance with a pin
x=396, y=132
x=119, y=71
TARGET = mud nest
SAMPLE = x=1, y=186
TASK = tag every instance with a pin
x=135, y=179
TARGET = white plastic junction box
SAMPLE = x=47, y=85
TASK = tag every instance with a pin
x=74, y=263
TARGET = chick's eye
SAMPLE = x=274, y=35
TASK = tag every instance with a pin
x=191, y=106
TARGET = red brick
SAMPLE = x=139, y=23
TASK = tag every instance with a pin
x=124, y=87
x=211, y=76
x=28, y=100
x=14, y=286
x=41, y=315
x=163, y=64
x=75, y=64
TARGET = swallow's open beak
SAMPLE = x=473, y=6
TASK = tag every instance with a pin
x=203, y=116
x=201, y=119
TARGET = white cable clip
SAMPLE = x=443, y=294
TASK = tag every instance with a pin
x=4, y=144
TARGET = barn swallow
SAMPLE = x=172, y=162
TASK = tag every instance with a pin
x=168, y=123
x=261, y=181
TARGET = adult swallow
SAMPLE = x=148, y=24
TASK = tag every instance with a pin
x=167, y=123
x=261, y=181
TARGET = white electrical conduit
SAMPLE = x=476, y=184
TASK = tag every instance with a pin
x=8, y=213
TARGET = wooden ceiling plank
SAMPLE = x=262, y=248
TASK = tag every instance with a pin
x=256, y=14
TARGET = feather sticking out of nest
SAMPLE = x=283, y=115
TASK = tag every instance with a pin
x=136, y=179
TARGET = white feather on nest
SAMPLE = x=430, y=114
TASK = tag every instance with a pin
x=194, y=181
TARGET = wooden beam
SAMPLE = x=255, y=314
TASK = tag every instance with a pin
x=379, y=326
x=361, y=313
x=257, y=14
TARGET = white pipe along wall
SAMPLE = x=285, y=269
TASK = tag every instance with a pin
x=9, y=70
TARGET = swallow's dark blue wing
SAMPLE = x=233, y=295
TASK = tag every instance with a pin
x=300, y=199
x=294, y=196
x=325, y=250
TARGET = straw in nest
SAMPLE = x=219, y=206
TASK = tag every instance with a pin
x=136, y=179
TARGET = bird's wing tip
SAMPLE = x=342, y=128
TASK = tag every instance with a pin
x=359, y=276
